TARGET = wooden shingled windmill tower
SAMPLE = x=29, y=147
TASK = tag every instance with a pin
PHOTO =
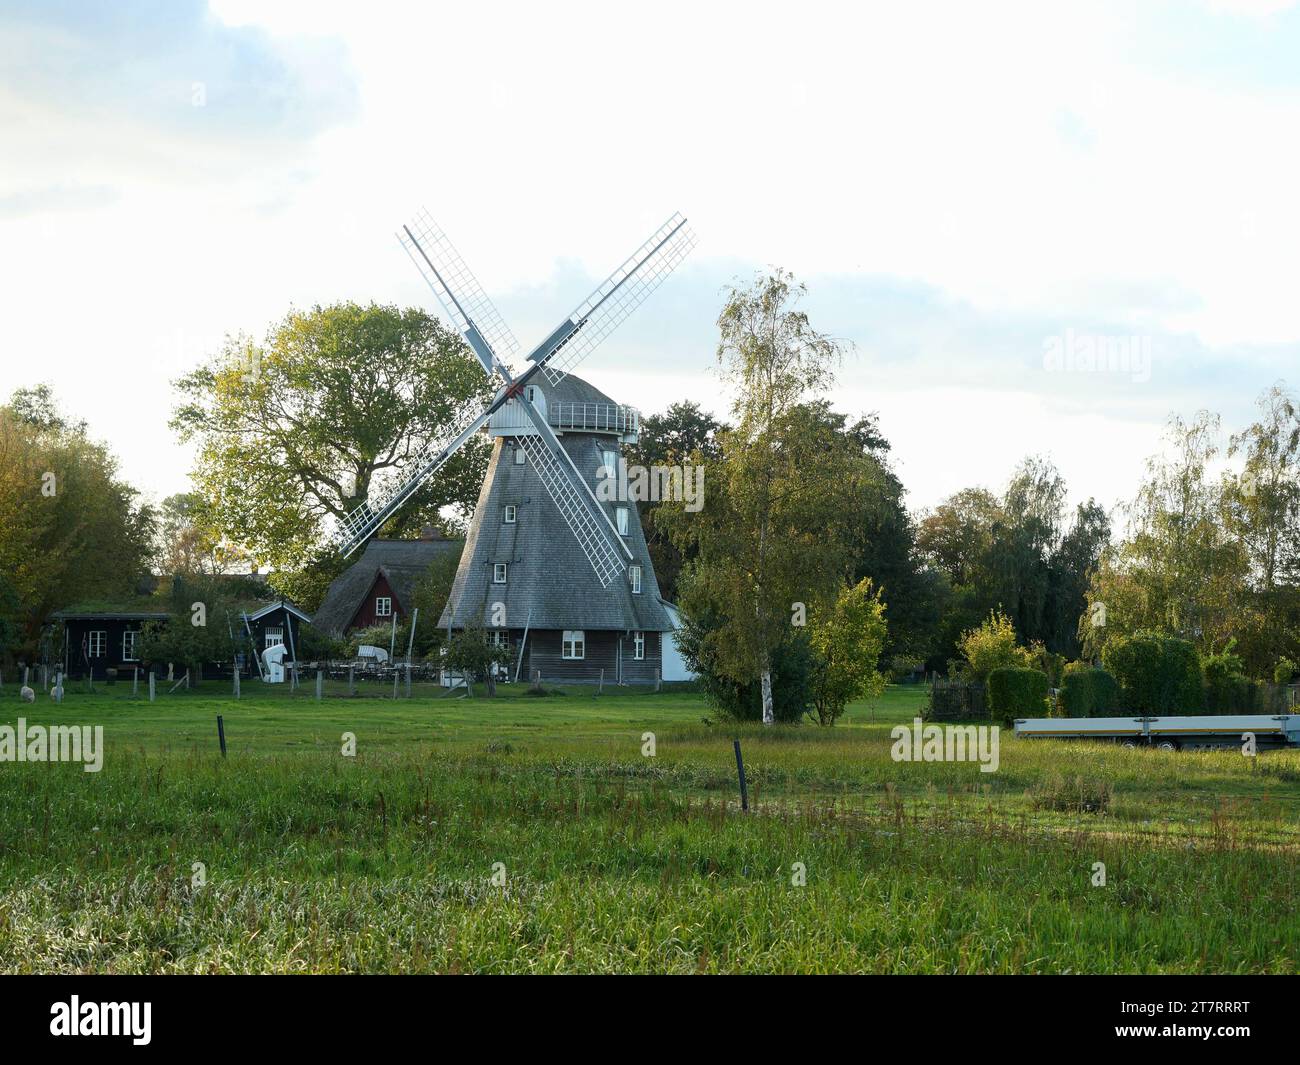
x=561, y=577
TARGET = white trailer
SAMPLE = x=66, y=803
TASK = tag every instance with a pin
x=1169, y=733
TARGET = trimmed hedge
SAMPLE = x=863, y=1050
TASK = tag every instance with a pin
x=1017, y=693
x=1088, y=692
x=1156, y=674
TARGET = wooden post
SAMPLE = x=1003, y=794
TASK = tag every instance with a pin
x=600, y=688
x=395, y=676
x=221, y=735
x=235, y=671
x=135, y=680
x=408, y=678
x=320, y=683
x=740, y=770
x=151, y=684
x=352, y=687
x=25, y=668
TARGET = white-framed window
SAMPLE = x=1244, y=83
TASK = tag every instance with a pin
x=383, y=606
x=634, y=575
x=499, y=571
x=512, y=512
x=96, y=641
x=129, y=640
x=609, y=459
x=574, y=644
x=273, y=635
x=638, y=645
x=499, y=637
x=519, y=455
x=531, y=393
x=620, y=515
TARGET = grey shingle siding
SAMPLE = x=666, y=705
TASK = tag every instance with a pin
x=550, y=584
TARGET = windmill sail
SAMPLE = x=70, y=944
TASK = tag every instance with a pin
x=614, y=299
x=583, y=514
x=384, y=498
x=458, y=290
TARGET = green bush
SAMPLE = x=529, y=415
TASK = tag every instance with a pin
x=792, y=665
x=1014, y=693
x=1088, y=692
x=1283, y=671
x=1156, y=674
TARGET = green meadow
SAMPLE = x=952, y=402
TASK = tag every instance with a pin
x=536, y=834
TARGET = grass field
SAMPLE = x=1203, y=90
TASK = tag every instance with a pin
x=532, y=834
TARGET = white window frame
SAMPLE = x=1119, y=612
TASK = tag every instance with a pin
x=512, y=514
x=573, y=645
x=499, y=638
x=500, y=572
x=131, y=637
x=383, y=606
x=97, y=643
x=273, y=636
x=638, y=646
x=519, y=455
x=609, y=460
x=634, y=576
x=621, y=520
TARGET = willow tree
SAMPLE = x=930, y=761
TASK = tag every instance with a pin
x=773, y=536
x=292, y=432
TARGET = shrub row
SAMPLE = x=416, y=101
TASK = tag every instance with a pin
x=1088, y=692
x=1014, y=693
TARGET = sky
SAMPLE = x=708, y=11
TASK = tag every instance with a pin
x=986, y=202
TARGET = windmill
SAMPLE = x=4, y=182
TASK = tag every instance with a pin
x=492, y=343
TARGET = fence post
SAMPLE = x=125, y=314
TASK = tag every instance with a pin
x=221, y=735
x=320, y=683
x=740, y=771
x=352, y=687
x=135, y=681
x=408, y=679
x=151, y=684
x=235, y=671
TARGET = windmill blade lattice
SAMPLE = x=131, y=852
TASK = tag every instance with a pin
x=586, y=528
x=616, y=297
x=384, y=498
x=458, y=290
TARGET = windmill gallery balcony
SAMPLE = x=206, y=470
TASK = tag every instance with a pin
x=614, y=418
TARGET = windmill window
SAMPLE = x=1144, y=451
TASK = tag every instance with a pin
x=498, y=573
x=96, y=641
x=519, y=455
x=621, y=515
x=638, y=645
x=511, y=513
x=129, y=639
x=609, y=459
x=383, y=606
x=274, y=636
x=634, y=575
x=574, y=645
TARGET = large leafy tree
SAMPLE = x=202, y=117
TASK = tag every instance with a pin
x=773, y=531
x=293, y=432
x=70, y=528
x=1178, y=571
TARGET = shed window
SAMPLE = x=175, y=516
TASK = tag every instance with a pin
x=634, y=575
x=96, y=641
x=575, y=644
x=383, y=606
x=499, y=573
x=638, y=645
x=273, y=635
x=129, y=640
x=511, y=513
